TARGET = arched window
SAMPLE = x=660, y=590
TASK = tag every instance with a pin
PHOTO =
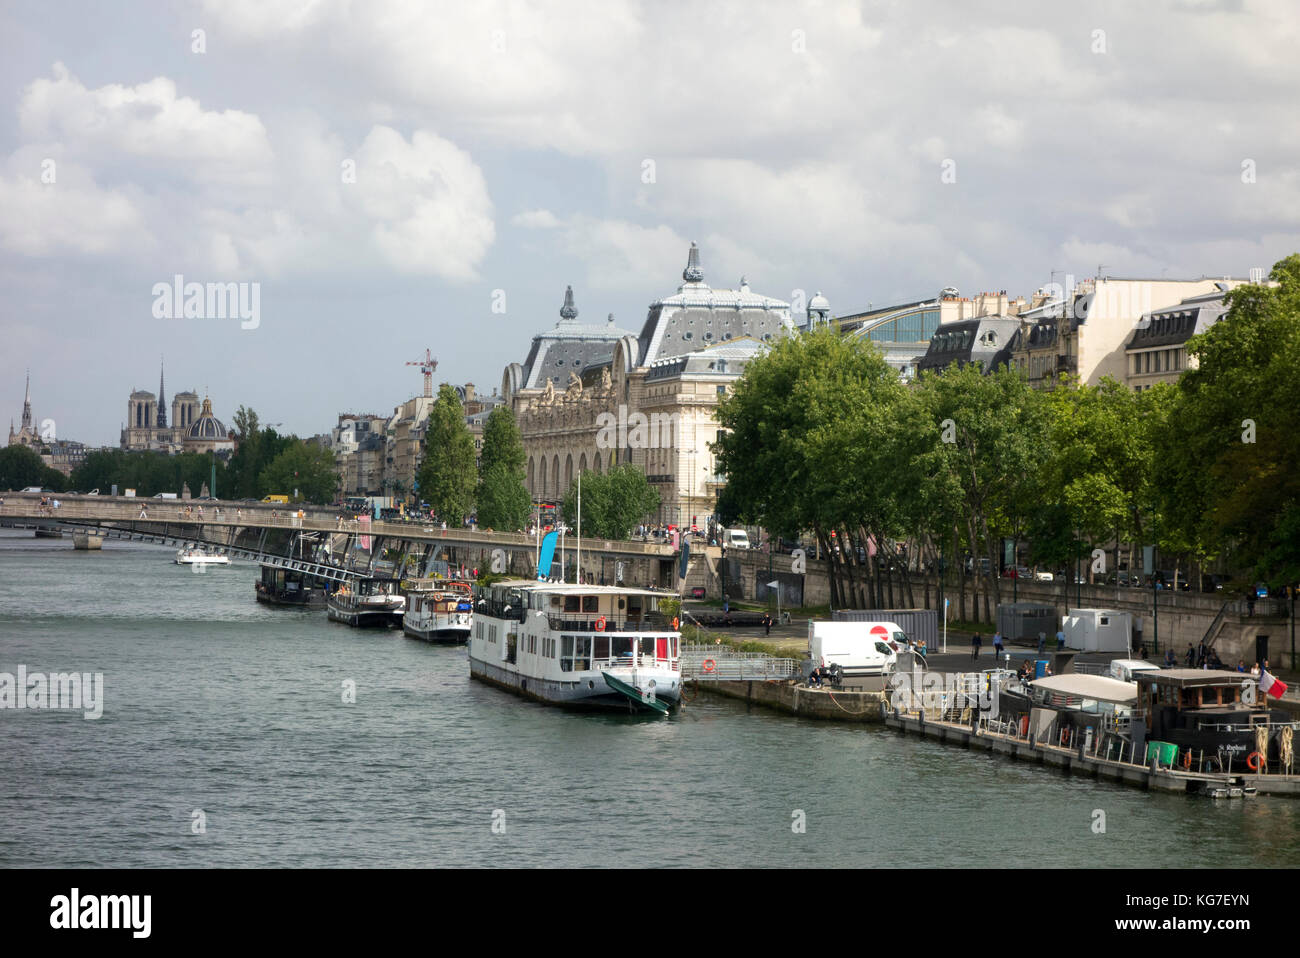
x=541, y=492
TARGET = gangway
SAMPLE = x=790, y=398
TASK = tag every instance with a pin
x=719, y=663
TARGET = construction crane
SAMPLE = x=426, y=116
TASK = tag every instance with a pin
x=427, y=366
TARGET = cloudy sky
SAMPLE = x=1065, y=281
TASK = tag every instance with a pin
x=387, y=172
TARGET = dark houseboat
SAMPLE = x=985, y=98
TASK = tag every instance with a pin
x=281, y=586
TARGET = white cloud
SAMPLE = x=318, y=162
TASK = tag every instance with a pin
x=535, y=220
x=427, y=202
x=71, y=214
x=147, y=121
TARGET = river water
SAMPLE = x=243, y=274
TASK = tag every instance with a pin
x=222, y=712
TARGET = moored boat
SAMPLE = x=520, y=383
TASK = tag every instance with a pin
x=194, y=555
x=438, y=610
x=582, y=646
x=289, y=587
x=367, y=602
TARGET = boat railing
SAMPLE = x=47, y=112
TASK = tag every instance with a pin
x=500, y=610
x=594, y=622
x=629, y=660
x=1244, y=726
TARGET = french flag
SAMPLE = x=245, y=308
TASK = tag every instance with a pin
x=1274, y=687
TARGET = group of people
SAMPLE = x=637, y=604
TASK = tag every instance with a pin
x=1200, y=657
x=48, y=505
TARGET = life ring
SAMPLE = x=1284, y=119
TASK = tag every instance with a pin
x=600, y=624
x=674, y=623
x=708, y=665
x=1253, y=761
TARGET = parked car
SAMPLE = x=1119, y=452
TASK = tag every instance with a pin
x=1043, y=576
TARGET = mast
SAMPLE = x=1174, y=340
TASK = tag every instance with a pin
x=580, y=528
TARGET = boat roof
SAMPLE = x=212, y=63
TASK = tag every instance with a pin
x=1097, y=687
x=1189, y=678
x=571, y=588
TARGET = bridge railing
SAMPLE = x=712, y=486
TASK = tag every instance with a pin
x=192, y=512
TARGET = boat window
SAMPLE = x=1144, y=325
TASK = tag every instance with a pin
x=621, y=644
x=661, y=647
x=602, y=647
x=648, y=645
x=582, y=653
x=566, y=653
x=590, y=603
x=571, y=603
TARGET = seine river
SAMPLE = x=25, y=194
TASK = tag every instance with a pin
x=222, y=713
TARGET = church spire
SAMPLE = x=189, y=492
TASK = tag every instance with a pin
x=27, y=403
x=162, y=400
x=568, y=310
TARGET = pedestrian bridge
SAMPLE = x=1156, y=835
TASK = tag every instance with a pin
x=314, y=539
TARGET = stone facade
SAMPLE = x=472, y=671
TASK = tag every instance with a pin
x=646, y=399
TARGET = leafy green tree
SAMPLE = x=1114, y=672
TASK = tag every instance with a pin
x=502, y=495
x=21, y=467
x=447, y=476
x=993, y=444
x=1227, y=466
x=612, y=502
x=305, y=467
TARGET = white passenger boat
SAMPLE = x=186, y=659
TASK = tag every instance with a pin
x=193, y=555
x=438, y=610
x=577, y=645
x=367, y=602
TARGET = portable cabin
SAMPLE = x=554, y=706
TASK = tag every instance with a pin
x=1098, y=630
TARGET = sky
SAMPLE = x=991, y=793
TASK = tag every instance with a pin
x=386, y=177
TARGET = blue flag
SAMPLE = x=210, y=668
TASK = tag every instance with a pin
x=547, y=554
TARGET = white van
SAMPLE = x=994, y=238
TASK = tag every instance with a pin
x=1123, y=669
x=859, y=648
x=736, y=539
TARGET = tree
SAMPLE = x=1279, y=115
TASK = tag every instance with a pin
x=256, y=448
x=612, y=502
x=21, y=467
x=447, y=474
x=1227, y=465
x=993, y=443
x=502, y=496
x=305, y=467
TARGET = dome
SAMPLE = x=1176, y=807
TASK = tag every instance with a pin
x=819, y=302
x=207, y=426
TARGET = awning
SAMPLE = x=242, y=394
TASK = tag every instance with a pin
x=1095, y=687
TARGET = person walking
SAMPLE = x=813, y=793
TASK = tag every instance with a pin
x=975, y=643
x=1190, y=658
x=1060, y=639
x=997, y=645
x=1042, y=642
x=767, y=623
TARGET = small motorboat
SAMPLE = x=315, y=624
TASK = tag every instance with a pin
x=193, y=555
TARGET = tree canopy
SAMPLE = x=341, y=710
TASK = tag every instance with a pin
x=447, y=476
